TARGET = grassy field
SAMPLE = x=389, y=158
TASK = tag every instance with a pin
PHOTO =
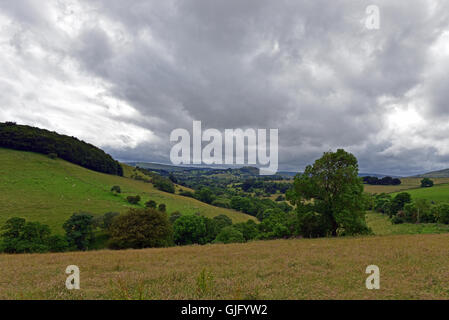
x=407, y=184
x=38, y=188
x=437, y=193
x=411, y=267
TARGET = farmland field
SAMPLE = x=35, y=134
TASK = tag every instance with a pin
x=407, y=184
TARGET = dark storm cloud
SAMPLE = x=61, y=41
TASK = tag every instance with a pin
x=309, y=68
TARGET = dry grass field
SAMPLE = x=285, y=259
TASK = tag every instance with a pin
x=411, y=267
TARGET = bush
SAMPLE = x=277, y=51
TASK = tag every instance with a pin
x=426, y=183
x=58, y=243
x=174, y=216
x=314, y=224
x=116, y=189
x=187, y=194
x=141, y=228
x=249, y=230
x=443, y=213
x=52, y=156
x=133, y=199
x=79, y=230
x=189, y=229
x=162, y=207
x=229, y=235
x=151, y=204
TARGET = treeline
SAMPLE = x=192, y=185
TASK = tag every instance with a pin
x=385, y=181
x=140, y=228
x=27, y=138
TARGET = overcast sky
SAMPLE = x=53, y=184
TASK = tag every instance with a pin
x=123, y=74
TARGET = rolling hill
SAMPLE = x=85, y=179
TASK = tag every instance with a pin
x=38, y=188
x=435, y=174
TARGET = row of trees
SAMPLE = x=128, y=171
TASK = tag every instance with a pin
x=385, y=181
x=71, y=149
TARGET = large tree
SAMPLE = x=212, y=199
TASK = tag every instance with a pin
x=332, y=189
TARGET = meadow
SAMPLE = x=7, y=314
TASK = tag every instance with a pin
x=411, y=267
x=38, y=188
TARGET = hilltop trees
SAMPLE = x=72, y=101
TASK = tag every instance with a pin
x=71, y=149
x=336, y=192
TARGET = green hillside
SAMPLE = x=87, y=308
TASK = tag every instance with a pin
x=436, y=174
x=38, y=188
x=437, y=193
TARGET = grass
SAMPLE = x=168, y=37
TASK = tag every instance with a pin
x=381, y=225
x=38, y=188
x=437, y=193
x=407, y=184
x=411, y=267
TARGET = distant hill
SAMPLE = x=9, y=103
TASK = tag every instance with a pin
x=27, y=138
x=38, y=188
x=435, y=174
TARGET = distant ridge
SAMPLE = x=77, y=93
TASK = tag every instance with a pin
x=435, y=174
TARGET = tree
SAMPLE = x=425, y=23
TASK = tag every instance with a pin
x=426, y=183
x=151, y=204
x=205, y=195
x=141, y=228
x=222, y=221
x=399, y=201
x=229, y=235
x=162, y=207
x=189, y=229
x=79, y=230
x=332, y=183
x=249, y=229
x=19, y=236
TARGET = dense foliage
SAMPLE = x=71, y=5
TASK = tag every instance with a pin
x=71, y=149
x=333, y=192
x=141, y=228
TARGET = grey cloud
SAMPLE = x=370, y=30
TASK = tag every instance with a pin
x=309, y=68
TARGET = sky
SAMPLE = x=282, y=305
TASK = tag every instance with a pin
x=123, y=74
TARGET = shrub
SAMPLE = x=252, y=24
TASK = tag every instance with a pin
x=249, y=230
x=133, y=199
x=162, y=207
x=58, y=243
x=189, y=229
x=52, y=156
x=141, y=228
x=426, y=183
x=186, y=194
x=174, y=216
x=116, y=189
x=443, y=213
x=79, y=230
x=229, y=235
x=151, y=204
